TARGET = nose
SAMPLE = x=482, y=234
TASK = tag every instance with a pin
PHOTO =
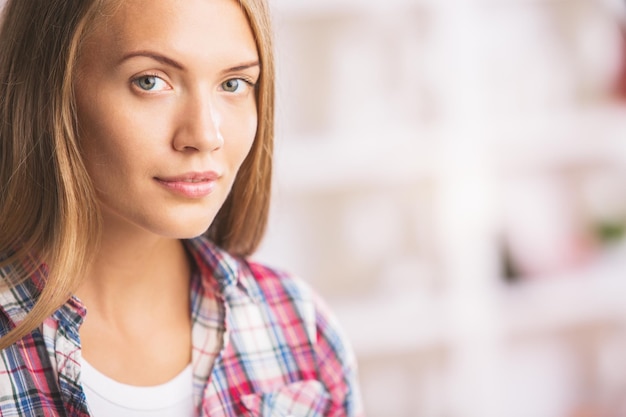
x=199, y=127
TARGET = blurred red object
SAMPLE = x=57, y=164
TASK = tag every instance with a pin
x=621, y=80
x=587, y=412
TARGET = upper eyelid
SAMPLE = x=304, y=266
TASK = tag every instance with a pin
x=247, y=78
x=154, y=74
x=252, y=73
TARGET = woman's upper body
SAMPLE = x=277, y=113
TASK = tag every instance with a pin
x=128, y=128
x=278, y=352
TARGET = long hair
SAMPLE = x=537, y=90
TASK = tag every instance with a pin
x=49, y=215
x=240, y=224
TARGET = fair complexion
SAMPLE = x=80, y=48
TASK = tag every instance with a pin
x=167, y=114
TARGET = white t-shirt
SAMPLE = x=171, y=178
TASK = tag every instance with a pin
x=109, y=398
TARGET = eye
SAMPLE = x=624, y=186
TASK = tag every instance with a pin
x=235, y=85
x=150, y=83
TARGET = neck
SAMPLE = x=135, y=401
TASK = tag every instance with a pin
x=136, y=291
x=135, y=272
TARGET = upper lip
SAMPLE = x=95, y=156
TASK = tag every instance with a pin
x=192, y=177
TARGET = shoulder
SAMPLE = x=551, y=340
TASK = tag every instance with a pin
x=289, y=299
x=272, y=305
x=275, y=284
x=278, y=288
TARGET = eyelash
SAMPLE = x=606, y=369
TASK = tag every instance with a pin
x=249, y=81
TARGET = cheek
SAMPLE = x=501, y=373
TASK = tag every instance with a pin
x=239, y=139
x=246, y=145
x=250, y=126
x=111, y=140
x=101, y=152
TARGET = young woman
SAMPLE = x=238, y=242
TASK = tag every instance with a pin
x=135, y=161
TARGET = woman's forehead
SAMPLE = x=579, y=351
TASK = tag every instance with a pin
x=202, y=30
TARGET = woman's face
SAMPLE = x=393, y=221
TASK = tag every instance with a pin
x=167, y=111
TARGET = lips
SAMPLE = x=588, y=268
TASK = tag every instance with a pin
x=190, y=185
x=192, y=177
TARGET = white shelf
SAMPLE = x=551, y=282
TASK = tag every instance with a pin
x=333, y=163
x=581, y=137
x=409, y=323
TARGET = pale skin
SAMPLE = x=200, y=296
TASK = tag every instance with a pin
x=164, y=95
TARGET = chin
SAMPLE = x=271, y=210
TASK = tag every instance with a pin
x=187, y=231
x=185, y=224
x=193, y=234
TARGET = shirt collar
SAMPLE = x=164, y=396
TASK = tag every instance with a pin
x=18, y=300
x=229, y=272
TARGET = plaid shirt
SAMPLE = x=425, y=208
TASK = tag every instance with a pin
x=278, y=353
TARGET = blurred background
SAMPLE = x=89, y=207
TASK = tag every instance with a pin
x=451, y=177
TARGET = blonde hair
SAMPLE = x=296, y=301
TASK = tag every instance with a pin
x=48, y=208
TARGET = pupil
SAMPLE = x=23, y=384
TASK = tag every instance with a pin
x=148, y=82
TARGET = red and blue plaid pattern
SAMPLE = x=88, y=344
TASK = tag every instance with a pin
x=278, y=352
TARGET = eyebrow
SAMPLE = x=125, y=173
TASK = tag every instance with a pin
x=172, y=63
x=244, y=66
x=157, y=57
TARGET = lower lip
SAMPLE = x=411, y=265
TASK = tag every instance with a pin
x=189, y=189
